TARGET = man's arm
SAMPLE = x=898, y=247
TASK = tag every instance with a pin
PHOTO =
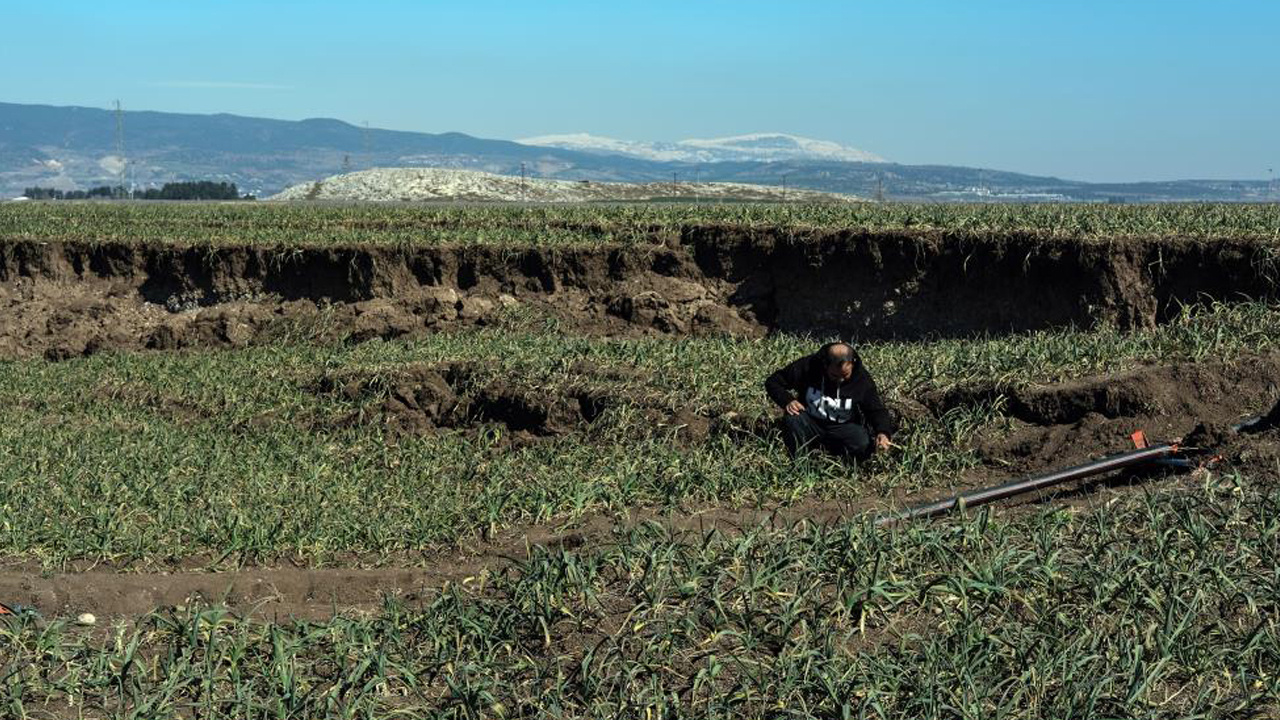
x=783, y=385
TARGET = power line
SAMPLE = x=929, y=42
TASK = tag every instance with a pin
x=364, y=142
x=120, y=154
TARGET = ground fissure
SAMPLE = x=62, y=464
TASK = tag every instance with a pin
x=66, y=299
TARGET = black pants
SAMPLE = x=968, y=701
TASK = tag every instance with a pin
x=803, y=431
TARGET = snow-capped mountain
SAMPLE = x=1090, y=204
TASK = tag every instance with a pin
x=756, y=147
x=660, y=151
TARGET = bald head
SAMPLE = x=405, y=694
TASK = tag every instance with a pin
x=839, y=353
x=839, y=361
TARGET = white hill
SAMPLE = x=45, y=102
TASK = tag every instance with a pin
x=428, y=184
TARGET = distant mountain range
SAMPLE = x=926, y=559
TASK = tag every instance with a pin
x=76, y=148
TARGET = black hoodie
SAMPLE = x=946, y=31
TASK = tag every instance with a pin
x=854, y=400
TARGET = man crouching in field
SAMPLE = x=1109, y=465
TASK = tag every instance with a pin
x=829, y=399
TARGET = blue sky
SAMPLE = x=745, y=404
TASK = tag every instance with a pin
x=1091, y=90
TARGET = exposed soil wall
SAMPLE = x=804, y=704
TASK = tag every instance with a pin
x=67, y=299
x=911, y=285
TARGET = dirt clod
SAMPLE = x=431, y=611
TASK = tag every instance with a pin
x=1057, y=425
x=1209, y=435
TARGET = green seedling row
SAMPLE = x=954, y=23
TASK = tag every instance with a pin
x=301, y=224
x=1159, y=605
x=237, y=457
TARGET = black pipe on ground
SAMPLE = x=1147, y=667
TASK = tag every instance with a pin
x=1260, y=423
x=976, y=498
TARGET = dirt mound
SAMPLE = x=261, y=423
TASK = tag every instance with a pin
x=413, y=399
x=63, y=299
x=423, y=399
x=1057, y=425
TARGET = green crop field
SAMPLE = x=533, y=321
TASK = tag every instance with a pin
x=616, y=526
x=238, y=455
x=310, y=225
x=1158, y=606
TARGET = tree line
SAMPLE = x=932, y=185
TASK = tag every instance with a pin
x=197, y=190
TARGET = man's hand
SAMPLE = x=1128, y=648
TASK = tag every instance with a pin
x=795, y=407
x=882, y=441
